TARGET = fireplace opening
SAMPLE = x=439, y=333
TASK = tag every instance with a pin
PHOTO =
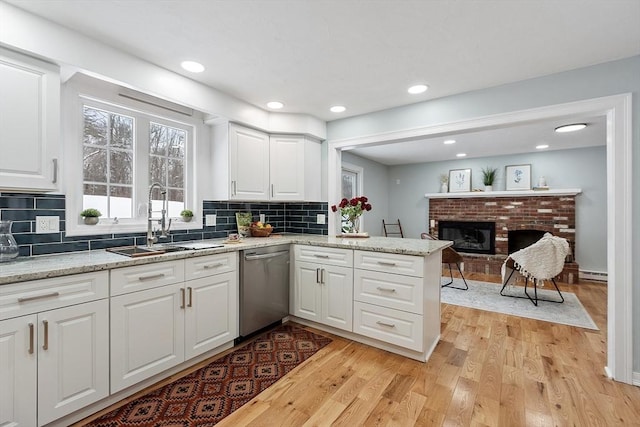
x=469, y=236
x=520, y=239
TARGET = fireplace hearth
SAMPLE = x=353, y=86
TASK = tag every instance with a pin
x=476, y=237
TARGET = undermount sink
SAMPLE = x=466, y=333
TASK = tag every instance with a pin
x=138, y=251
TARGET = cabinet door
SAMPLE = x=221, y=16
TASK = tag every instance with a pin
x=307, y=293
x=18, y=370
x=147, y=334
x=287, y=167
x=29, y=123
x=248, y=164
x=337, y=297
x=211, y=313
x=73, y=358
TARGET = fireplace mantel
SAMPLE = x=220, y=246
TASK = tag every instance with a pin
x=513, y=193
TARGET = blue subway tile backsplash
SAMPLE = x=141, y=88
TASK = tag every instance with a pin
x=22, y=209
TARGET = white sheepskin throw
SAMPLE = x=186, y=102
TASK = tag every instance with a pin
x=542, y=260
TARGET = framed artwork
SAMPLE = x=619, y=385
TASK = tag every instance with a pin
x=459, y=180
x=518, y=177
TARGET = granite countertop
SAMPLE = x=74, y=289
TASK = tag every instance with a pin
x=41, y=267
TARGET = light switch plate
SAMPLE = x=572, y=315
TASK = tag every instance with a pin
x=262, y=218
x=47, y=224
x=320, y=219
x=210, y=220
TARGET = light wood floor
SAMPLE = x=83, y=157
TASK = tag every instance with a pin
x=488, y=370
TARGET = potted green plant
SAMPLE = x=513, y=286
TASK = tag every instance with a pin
x=488, y=177
x=187, y=215
x=91, y=216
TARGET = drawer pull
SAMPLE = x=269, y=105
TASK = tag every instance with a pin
x=30, y=338
x=181, y=297
x=45, y=346
x=322, y=276
x=320, y=256
x=387, y=263
x=380, y=288
x=389, y=325
x=151, y=276
x=318, y=275
x=215, y=265
x=190, y=303
x=37, y=297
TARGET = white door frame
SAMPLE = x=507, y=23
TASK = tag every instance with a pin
x=618, y=112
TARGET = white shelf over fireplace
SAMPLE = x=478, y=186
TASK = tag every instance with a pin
x=513, y=193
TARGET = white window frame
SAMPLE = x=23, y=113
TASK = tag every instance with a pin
x=102, y=95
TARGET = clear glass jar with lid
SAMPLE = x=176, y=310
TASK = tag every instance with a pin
x=8, y=246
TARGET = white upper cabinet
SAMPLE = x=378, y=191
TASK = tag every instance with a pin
x=252, y=165
x=29, y=123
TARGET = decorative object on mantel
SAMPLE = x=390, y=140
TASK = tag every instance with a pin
x=444, y=183
x=518, y=177
x=351, y=210
x=459, y=180
x=91, y=216
x=488, y=176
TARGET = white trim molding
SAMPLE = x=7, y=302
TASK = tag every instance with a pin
x=618, y=111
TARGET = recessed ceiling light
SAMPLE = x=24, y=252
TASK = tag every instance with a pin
x=571, y=128
x=275, y=105
x=193, y=66
x=337, y=109
x=461, y=155
x=417, y=89
x=542, y=146
x=450, y=141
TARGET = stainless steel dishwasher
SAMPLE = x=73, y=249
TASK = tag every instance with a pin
x=264, y=288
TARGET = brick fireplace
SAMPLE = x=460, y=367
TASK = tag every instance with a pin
x=544, y=213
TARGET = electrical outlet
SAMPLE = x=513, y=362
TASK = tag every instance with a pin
x=320, y=219
x=47, y=224
x=262, y=218
x=210, y=220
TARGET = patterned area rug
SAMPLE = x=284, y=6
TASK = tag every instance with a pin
x=206, y=396
x=486, y=296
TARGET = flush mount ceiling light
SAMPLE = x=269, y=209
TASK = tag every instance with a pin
x=449, y=141
x=542, y=146
x=275, y=105
x=416, y=89
x=193, y=66
x=571, y=128
x=337, y=109
x=461, y=155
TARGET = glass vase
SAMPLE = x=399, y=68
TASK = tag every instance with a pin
x=8, y=246
x=353, y=225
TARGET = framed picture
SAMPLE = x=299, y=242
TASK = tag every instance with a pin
x=518, y=177
x=459, y=180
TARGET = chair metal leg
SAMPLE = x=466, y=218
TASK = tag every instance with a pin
x=535, y=298
x=448, y=285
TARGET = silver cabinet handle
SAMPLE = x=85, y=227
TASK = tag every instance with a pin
x=181, y=297
x=30, y=338
x=217, y=264
x=389, y=325
x=320, y=256
x=317, y=275
x=55, y=171
x=37, y=297
x=233, y=188
x=151, y=276
x=380, y=288
x=322, y=276
x=271, y=190
x=45, y=345
x=190, y=303
x=386, y=263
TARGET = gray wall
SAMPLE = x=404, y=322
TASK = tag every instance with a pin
x=611, y=78
x=580, y=168
x=376, y=187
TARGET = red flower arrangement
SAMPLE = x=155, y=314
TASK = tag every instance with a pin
x=351, y=210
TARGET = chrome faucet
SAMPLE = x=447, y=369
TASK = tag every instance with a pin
x=164, y=225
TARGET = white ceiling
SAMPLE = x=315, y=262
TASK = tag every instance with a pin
x=362, y=54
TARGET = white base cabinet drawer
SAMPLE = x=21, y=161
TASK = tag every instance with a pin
x=140, y=277
x=388, y=325
x=408, y=265
x=205, y=266
x=323, y=255
x=388, y=290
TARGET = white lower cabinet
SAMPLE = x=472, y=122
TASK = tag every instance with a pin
x=160, y=327
x=54, y=362
x=324, y=292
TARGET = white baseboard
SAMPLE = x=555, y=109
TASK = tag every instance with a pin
x=599, y=276
x=635, y=379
